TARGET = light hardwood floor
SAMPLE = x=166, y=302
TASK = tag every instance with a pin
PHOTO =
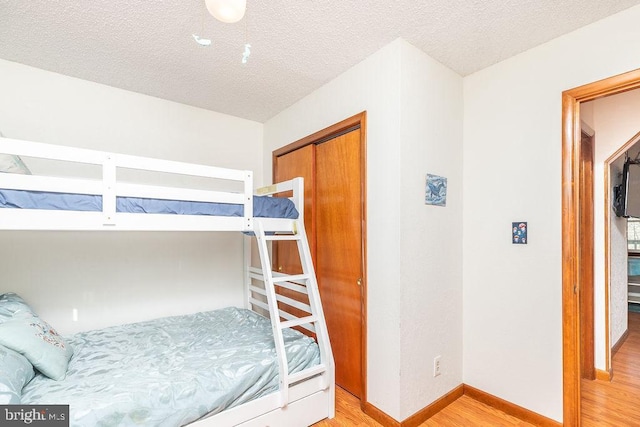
x=615, y=403
x=604, y=404
x=464, y=412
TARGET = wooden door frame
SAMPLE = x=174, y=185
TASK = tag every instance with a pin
x=587, y=328
x=356, y=121
x=572, y=234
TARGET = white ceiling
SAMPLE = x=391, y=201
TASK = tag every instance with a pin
x=146, y=46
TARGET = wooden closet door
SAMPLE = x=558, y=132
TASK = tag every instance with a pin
x=286, y=258
x=338, y=226
x=298, y=163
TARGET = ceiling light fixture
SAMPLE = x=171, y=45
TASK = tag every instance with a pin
x=228, y=11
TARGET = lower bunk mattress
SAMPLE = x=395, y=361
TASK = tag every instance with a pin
x=170, y=371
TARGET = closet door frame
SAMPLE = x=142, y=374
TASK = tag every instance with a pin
x=351, y=123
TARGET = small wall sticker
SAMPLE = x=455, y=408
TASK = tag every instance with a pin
x=519, y=233
x=436, y=190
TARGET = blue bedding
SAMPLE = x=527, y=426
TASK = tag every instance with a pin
x=170, y=371
x=263, y=206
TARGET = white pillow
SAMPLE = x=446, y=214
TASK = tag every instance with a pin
x=13, y=164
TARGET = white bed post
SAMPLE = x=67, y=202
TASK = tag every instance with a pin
x=247, y=241
x=109, y=190
x=298, y=197
x=248, y=200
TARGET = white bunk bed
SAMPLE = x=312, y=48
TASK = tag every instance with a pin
x=302, y=398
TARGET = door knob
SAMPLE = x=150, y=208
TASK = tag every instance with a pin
x=359, y=281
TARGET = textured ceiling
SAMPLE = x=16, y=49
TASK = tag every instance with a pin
x=147, y=46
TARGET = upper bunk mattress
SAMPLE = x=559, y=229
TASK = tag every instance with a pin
x=263, y=206
x=170, y=371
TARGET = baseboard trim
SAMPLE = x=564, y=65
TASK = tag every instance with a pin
x=419, y=417
x=510, y=408
x=618, y=344
x=429, y=411
x=380, y=416
x=463, y=389
x=603, y=375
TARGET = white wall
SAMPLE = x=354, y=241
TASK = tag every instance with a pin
x=114, y=278
x=512, y=318
x=431, y=249
x=586, y=114
x=618, y=284
x=414, y=112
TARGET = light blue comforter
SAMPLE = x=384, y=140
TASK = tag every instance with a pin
x=263, y=206
x=170, y=371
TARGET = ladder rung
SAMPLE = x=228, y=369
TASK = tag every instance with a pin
x=314, y=370
x=286, y=281
x=298, y=322
x=258, y=290
x=291, y=278
x=294, y=303
x=259, y=303
x=257, y=276
x=308, y=326
x=293, y=287
x=282, y=237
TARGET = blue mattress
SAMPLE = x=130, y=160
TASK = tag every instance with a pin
x=170, y=371
x=263, y=206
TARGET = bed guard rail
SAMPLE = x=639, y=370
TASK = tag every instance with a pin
x=109, y=187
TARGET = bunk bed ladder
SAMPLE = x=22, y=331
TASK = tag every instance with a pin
x=303, y=283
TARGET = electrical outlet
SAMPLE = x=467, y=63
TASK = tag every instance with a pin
x=436, y=366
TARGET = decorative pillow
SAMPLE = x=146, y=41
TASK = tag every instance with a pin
x=15, y=373
x=36, y=340
x=12, y=304
x=13, y=164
